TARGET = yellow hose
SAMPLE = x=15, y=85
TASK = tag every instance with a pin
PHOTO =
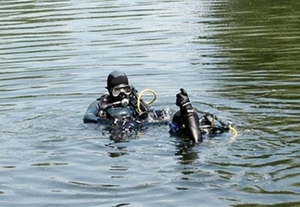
x=140, y=97
x=235, y=133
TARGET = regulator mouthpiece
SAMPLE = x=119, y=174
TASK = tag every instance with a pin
x=125, y=102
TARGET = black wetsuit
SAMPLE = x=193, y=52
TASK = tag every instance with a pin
x=107, y=110
x=123, y=117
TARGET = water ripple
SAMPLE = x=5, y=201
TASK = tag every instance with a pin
x=237, y=59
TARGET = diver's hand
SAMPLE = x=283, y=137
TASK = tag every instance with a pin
x=182, y=98
x=189, y=117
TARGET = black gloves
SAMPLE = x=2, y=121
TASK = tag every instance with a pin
x=182, y=98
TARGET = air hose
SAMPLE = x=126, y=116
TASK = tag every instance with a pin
x=234, y=131
x=140, y=97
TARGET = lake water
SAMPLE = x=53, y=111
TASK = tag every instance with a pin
x=238, y=59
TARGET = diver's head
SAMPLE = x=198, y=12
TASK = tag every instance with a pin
x=117, y=85
x=116, y=78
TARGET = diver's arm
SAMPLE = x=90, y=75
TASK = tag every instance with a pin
x=91, y=114
x=189, y=117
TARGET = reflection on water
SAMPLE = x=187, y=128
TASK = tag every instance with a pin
x=237, y=59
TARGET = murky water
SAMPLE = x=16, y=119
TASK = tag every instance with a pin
x=237, y=59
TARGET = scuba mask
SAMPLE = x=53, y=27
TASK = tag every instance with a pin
x=117, y=90
x=121, y=94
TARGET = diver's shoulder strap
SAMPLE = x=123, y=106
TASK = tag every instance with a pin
x=104, y=102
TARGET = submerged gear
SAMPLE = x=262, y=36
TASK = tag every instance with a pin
x=116, y=78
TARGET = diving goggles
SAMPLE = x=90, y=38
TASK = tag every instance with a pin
x=117, y=90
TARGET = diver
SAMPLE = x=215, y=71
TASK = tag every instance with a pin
x=186, y=119
x=187, y=122
x=122, y=107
